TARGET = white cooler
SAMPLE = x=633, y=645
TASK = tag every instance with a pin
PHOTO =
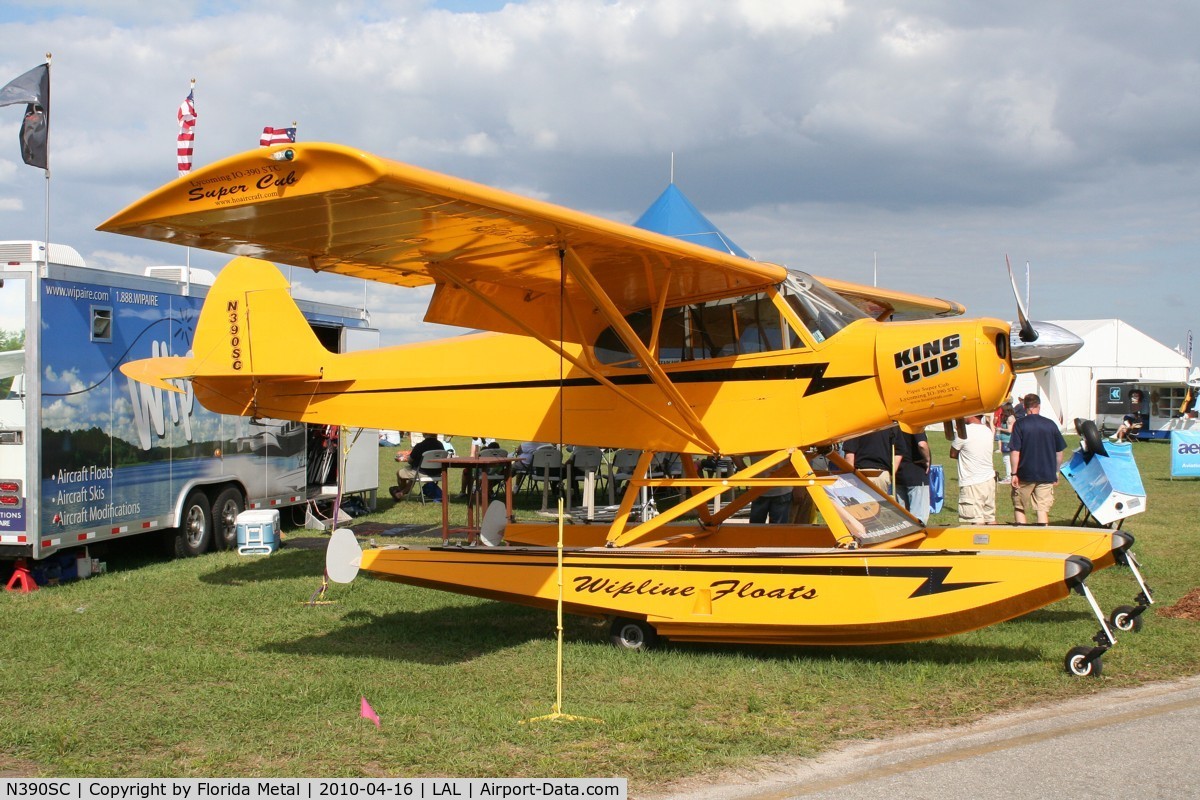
x=258, y=532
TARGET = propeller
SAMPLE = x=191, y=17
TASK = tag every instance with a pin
x=1028, y=332
x=1037, y=345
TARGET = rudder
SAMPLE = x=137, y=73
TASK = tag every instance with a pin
x=251, y=327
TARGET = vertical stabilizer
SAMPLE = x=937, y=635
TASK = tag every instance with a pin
x=251, y=327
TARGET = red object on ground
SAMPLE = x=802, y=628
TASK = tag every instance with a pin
x=21, y=580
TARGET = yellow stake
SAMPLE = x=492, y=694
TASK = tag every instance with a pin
x=556, y=712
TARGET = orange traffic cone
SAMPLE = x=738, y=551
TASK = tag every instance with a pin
x=21, y=580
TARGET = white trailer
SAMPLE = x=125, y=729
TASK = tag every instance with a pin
x=87, y=456
x=1166, y=406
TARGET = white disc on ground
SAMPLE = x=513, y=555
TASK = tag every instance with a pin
x=343, y=556
x=495, y=520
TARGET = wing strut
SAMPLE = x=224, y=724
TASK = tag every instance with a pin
x=449, y=277
x=580, y=272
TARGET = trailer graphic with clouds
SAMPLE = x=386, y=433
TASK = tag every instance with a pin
x=86, y=455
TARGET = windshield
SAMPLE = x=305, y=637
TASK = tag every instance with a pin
x=823, y=311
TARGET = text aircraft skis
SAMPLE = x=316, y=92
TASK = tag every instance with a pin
x=609, y=335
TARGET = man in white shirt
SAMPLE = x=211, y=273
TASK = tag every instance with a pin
x=976, y=474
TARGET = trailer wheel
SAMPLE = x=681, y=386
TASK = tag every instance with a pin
x=228, y=505
x=195, y=529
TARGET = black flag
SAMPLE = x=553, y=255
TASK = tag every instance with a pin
x=33, y=89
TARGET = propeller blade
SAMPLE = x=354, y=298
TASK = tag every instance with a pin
x=1028, y=334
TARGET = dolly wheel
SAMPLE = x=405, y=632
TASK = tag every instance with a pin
x=632, y=634
x=1077, y=663
x=1125, y=618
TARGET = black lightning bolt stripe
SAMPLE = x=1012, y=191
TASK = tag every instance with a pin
x=934, y=577
x=814, y=372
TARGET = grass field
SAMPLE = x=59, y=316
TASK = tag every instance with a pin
x=215, y=666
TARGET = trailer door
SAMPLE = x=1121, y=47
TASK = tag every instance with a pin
x=14, y=422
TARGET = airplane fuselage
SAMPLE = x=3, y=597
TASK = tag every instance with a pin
x=862, y=377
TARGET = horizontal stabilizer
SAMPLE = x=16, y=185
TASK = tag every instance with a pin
x=157, y=371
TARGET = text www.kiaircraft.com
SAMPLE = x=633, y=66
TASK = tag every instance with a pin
x=312, y=788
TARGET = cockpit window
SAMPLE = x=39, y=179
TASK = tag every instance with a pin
x=611, y=350
x=734, y=326
x=721, y=328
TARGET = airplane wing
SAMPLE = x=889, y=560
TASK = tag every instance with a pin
x=12, y=362
x=885, y=304
x=335, y=209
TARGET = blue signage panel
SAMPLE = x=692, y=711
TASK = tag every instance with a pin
x=1110, y=487
x=1185, y=454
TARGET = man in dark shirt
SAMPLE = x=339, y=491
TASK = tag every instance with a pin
x=407, y=475
x=873, y=451
x=1036, y=452
x=912, y=473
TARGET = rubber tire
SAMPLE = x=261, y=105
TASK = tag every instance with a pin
x=1074, y=663
x=228, y=505
x=1122, y=619
x=1090, y=438
x=195, y=525
x=632, y=634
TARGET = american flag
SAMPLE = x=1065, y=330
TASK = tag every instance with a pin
x=187, y=133
x=272, y=136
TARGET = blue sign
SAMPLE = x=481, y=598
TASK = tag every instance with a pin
x=1185, y=454
x=1114, y=393
x=1110, y=487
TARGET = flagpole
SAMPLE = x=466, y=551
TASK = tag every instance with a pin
x=47, y=203
x=187, y=270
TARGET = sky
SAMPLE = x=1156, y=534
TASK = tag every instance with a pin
x=919, y=141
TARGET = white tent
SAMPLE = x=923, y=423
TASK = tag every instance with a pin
x=1112, y=350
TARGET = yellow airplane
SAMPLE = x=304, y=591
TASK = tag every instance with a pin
x=604, y=334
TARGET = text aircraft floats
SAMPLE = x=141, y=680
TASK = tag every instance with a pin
x=605, y=334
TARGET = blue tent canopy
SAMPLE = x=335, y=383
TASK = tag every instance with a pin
x=674, y=215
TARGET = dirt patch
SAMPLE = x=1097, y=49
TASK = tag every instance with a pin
x=12, y=767
x=306, y=542
x=1188, y=607
x=391, y=529
x=364, y=531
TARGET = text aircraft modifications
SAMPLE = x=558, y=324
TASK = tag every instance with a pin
x=601, y=334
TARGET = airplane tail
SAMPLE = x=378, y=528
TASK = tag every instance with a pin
x=249, y=328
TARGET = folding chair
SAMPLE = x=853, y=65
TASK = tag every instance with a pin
x=546, y=467
x=585, y=463
x=620, y=470
x=495, y=474
x=422, y=478
x=668, y=465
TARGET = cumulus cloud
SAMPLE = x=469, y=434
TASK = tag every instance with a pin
x=938, y=135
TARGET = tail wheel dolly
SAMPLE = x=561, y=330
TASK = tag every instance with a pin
x=1129, y=618
x=1083, y=661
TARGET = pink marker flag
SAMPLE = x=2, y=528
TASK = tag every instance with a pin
x=366, y=712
